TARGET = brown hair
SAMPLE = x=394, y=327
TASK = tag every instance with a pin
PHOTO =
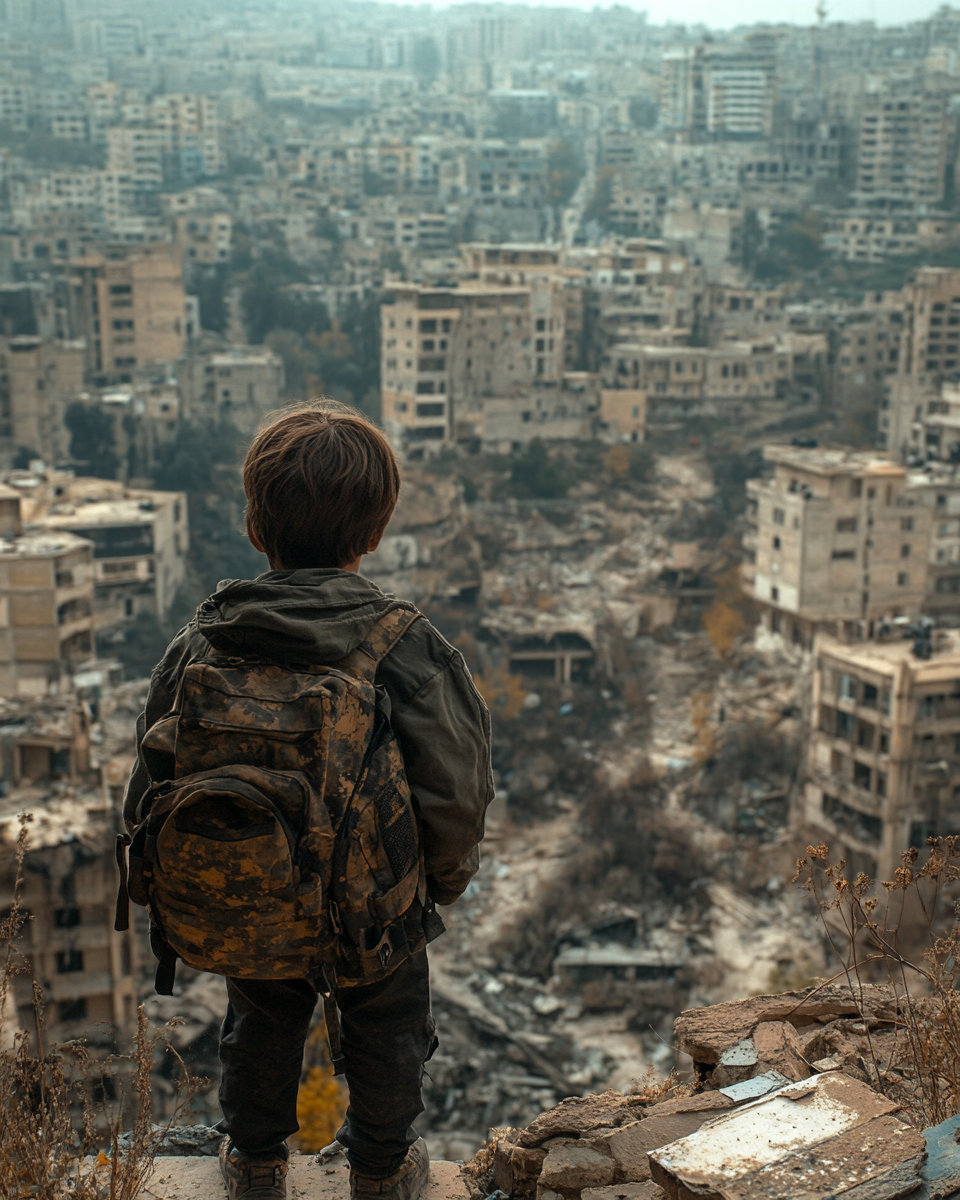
x=321, y=483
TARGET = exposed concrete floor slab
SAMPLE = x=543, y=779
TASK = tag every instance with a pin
x=199, y=1179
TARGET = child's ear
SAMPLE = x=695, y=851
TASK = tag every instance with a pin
x=254, y=540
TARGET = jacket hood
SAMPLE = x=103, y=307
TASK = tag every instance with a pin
x=309, y=616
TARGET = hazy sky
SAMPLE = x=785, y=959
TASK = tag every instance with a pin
x=723, y=14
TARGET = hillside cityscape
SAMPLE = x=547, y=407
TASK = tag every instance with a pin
x=663, y=324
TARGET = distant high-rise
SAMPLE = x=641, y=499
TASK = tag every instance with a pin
x=720, y=94
x=902, y=146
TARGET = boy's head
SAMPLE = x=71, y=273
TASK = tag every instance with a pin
x=321, y=483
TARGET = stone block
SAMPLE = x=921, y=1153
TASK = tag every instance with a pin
x=779, y=1049
x=628, y=1148
x=516, y=1168
x=576, y=1166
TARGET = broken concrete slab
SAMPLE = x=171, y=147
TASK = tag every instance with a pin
x=879, y=1161
x=576, y=1116
x=941, y=1174
x=706, y=1033
x=793, y=1140
x=198, y=1178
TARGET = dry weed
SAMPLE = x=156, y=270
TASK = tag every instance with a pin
x=914, y=1056
x=63, y=1111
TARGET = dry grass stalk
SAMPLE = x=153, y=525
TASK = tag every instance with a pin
x=913, y=1058
x=60, y=1129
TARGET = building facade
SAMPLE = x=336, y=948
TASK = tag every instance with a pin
x=883, y=764
x=835, y=540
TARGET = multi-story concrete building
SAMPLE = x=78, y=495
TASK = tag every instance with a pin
x=139, y=538
x=929, y=353
x=88, y=971
x=835, y=541
x=240, y=384
x=46, y=604
x=507, y=184
x=937, y=488
x=883, y=762
x=623, y=411
x=203, y=239
x=443, y=349
x=733, y=377
x=904, y=136
x=937, y=432
x=137, y=153
x=38, y=378
x=130, y=310
x=720, y=92
x=866, y=237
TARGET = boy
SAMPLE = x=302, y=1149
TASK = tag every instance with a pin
x=321, y=484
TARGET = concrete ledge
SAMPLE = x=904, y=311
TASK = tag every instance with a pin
x=199, y=1179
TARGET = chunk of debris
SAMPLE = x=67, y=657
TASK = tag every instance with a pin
x=941, y=1174
x=815, y=1138
x=792, y=1033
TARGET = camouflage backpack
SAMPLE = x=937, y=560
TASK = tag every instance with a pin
x=286, y=846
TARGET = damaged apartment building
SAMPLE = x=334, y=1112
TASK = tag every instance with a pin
x=845, y=557
x=883, y=761
x=63, y=762
x=79, y=557
x=522, y=341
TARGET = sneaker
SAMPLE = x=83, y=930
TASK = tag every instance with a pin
x=405, y=1184
x=252, y=1178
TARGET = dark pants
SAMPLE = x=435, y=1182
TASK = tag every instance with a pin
x=387, y=1033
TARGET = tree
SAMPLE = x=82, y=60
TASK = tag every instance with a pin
x=92, y=440
x=599, y=207
x=209, y=286
x=564, y=171
x=644, y=111
x=533, y=474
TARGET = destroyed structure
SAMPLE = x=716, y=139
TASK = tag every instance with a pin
x=79, y=557
x=64, y=765
x=788, y=1102
x=884, y=752
x=576, y=262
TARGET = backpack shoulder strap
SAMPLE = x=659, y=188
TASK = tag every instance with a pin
x=380, y=640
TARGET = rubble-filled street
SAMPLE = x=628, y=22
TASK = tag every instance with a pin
x=636, y=860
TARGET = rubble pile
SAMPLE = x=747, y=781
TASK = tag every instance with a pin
x=762, y=1122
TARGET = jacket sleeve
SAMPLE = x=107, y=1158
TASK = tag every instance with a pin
x=149, y=768
x=443, y=728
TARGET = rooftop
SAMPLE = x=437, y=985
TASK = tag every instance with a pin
x=826, y=461
x=886, y=655
x=41, y=543
x=122, y=511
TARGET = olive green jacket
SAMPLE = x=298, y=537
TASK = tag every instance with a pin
x=320, y=616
